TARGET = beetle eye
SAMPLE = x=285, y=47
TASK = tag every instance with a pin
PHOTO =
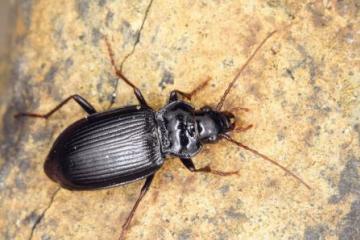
x=206, y=109
x=212, y=138
x=232, y=121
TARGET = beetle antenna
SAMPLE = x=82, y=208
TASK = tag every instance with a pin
x=228, y=138
x=231, y=84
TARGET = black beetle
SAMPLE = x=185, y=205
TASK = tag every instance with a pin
x=127, y=144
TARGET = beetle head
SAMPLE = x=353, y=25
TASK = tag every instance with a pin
x=211, y=123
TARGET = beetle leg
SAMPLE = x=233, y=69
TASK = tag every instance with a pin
x=243, y=129
x=120, y=75
x=143, y=191
x=140, y=98
x=174, y=94
x=80, y=100
x=188, y=163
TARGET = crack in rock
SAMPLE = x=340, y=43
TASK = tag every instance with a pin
x=137, y=40
x=41, y=216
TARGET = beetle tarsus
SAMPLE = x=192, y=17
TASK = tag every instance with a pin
x=243, y=129
x=188, y=163
x=239, y=108
x=80, y=100
x=143, y=191
x=188, y=95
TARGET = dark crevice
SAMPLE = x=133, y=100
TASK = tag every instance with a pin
x=137, y=40
x=41, y=216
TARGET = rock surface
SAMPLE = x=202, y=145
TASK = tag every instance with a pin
x=302, y=89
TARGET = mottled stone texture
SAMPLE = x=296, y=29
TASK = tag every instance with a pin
x=302, y=89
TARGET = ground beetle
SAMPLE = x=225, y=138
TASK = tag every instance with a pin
x=127, y=144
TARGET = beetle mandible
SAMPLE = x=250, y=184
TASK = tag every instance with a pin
x=127, y=144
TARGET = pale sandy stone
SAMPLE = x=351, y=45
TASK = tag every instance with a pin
x=302, y=89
